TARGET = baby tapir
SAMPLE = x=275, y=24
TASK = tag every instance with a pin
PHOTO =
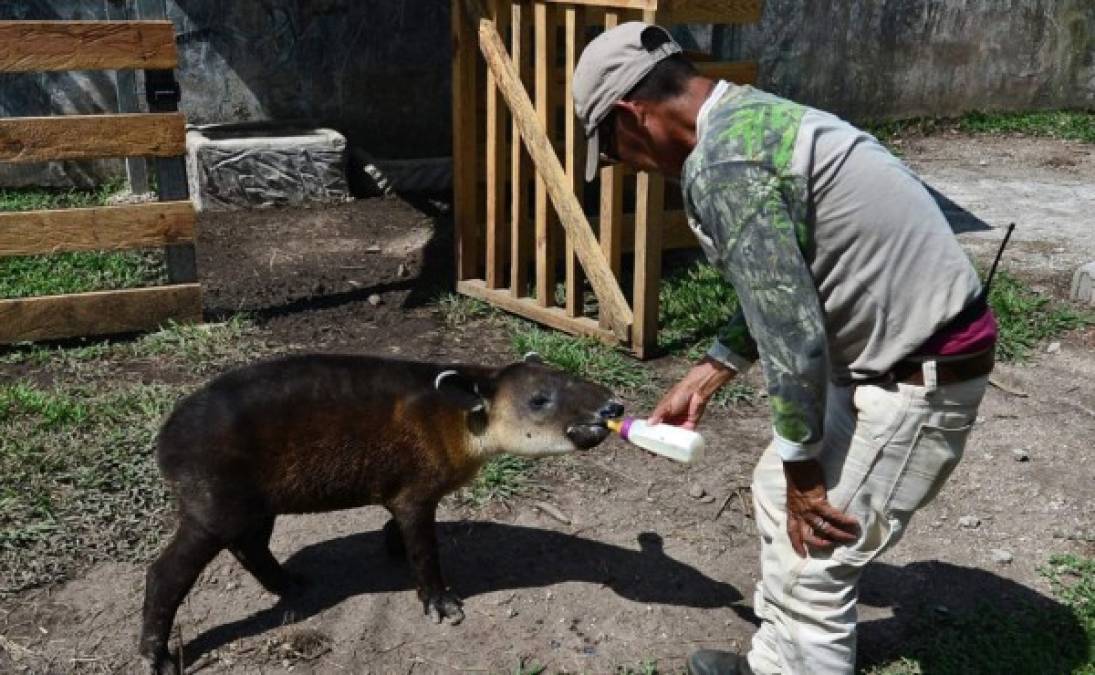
x=322, y=432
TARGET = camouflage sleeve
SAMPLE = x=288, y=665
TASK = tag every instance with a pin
x=734, y=346
x=754, y=243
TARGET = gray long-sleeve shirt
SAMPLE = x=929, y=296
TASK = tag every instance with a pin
x=843, y=262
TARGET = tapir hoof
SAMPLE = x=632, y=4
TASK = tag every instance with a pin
x=444, y=606
x=166, y=664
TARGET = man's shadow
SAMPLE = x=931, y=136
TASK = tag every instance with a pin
x=954, y=619
x=477, y=558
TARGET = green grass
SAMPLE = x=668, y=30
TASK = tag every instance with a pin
x=502, y=478
x=695, y=303
x=1077, y=125
x=73, y=272
x=585, y=357
x=1026, y=317
x=78, y=482
x=1027, y=639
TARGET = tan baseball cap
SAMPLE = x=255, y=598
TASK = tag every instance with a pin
x=610, y=67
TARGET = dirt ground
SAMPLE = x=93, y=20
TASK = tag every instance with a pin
x=642, y=572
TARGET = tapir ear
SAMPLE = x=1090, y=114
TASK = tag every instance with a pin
x=462, y=390
x=533, y=357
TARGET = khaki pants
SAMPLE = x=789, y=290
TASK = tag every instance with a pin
x=887, y=452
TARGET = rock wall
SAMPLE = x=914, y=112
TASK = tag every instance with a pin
x=378, y=71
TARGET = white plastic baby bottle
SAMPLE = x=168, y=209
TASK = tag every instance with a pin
x=676, y=443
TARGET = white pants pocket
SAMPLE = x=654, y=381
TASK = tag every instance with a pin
x=931, y=459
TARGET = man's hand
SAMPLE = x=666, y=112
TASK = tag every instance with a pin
x=684, y=404
x=811, y=519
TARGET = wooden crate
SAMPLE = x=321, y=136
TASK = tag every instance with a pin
x=29, y=46
x=518, y=183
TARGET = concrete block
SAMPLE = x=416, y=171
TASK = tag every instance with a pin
x=258, y=165
x=1083, y=284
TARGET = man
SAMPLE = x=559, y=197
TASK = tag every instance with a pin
x=869, y=320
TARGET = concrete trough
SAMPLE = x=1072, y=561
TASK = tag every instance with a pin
x=265, y=164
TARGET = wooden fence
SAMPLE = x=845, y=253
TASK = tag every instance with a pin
x=29, y=46
x=518, y=165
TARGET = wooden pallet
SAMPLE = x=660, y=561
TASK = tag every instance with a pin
x=518, y=178
x=30, y=46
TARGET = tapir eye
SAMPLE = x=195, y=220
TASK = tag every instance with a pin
x=539, y=401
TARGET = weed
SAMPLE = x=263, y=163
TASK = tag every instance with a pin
x=695, y=303
x=37, y=198
x=78, y=482
x=1075, y=125
x=501, y=478
x=457, y=310
x=578, y=355
x=1026, y=317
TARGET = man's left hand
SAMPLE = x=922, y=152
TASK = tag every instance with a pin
x=811, y=519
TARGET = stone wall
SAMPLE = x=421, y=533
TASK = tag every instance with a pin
x=378, y=71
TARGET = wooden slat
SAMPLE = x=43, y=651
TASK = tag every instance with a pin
x=548, y=167
x=709, y=11
x=521, y=235
x=649, y=204
x=27, y=46
x=738, y=72
x=497, y=225
x=575, y=141
x=617, y=4
x=96, y=229
x=555, y=317
x=543, y=60
x=465, y=169
x=612, y=200
x=41, y=139
x=102, y=313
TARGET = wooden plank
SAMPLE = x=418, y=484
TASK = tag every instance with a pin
x=521, y=235
x=96, y=229
x=575, y=140
x=544, y=217
x=616, y=4
x=32, y=46
x=709, y=11
x=465, y=169
x=555, y=317
x=649, y=204
x=612, y=200
x=102, y=313
x=497, y=227
x=738, y=72
x=42, y=139
x=548, y=167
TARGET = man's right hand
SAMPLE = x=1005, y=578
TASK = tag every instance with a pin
x=683, y=405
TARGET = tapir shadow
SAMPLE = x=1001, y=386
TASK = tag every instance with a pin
x=480, y=557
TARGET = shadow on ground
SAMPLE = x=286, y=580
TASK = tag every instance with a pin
x=954, y=619
x=478, y=558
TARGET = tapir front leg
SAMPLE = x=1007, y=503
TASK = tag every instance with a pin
x=417, y=525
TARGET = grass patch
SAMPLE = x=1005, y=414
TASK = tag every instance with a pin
x=502, y=477
x=695, y=302
x=74, y=272
x=78, y=482
x=1077, y=125
x=458, y=310
x=1026, y=317
x=584, y=357
x=1028, y=639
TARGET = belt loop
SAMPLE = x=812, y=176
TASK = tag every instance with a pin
x=931, y=376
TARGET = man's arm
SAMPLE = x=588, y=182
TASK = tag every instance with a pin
x=742, y=208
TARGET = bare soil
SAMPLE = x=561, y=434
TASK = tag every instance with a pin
x=642, y=571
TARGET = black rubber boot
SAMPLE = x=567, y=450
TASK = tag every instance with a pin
x=713, y=662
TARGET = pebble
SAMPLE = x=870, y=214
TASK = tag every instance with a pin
x=695, y=491
x=1053, y=348
x=1002, y=557
x=401, y=271
x=373, y=249
x=375, y=300
x=511, y=612
x=707, y=499
x=1021, y=454
x=969, y=522
x=983, y=162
